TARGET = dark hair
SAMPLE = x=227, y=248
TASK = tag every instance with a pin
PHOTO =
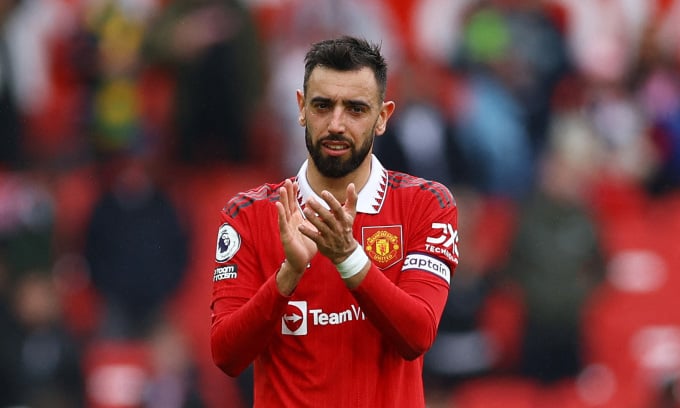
x=347, y=54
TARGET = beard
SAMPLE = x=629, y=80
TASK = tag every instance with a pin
x=337, y=167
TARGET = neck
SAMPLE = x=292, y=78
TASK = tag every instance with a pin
x=338, y=185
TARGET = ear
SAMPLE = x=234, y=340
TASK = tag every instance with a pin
x=301, y=107
x=385, y=113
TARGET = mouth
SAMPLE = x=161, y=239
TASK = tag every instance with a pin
x=335, y=147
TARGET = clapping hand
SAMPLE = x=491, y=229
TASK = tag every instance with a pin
x=298, y=248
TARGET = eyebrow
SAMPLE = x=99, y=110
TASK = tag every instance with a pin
x=349, y=102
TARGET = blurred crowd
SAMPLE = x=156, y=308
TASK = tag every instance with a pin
x=125, y=125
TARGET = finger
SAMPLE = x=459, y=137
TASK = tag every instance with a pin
x=311, y=233
x=352, y=199
x=315, y=213
x=344, y=219
x=332, y=202
x=316, y=207
x=293, y=189
x=284, y=192
x=334, y=222
x=336, y=209
x=283, y=204
x=283, y=224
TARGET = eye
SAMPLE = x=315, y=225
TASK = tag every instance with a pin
x=321, y=106
x=358, y=109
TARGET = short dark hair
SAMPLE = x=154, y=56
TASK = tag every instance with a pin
x=347, y=53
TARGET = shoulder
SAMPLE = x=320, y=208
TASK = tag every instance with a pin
x=266, y=193
x=419, y=187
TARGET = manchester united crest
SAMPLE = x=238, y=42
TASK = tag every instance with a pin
x=383, y=244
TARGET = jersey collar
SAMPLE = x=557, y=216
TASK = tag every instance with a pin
x=371, y=196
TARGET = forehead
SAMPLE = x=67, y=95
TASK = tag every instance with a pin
x=343, y=85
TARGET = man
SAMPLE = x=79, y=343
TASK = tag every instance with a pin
x=11, y=151
x=338, y=307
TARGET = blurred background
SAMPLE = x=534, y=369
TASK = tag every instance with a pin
x=126, y=125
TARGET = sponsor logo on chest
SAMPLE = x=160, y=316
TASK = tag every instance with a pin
x=297, y=318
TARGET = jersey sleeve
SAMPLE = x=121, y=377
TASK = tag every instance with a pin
x=246, y=303
x=407, y=313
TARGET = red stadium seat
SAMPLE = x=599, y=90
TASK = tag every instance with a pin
x=637, y=336
x=505, y=392
x=116, y=374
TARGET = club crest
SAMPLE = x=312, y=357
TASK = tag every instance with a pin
x=383, y=244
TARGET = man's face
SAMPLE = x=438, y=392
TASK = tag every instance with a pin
x=342, y=113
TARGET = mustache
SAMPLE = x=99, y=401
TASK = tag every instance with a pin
x=334, y=137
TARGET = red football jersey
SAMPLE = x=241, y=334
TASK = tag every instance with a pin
x=326, y=345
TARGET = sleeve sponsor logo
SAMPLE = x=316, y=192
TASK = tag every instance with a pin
x=427, y=263
x=225, y=272
x=228, y=243
x=444, y=242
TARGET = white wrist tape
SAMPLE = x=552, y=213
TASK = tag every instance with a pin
x=353, y=264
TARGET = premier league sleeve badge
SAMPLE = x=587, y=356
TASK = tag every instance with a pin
x=228, y=243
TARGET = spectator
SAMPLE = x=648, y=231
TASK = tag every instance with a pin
x=49, y=372
x=490, y=124
x=9, y=342
x=659, y=97
x=213, y=48
x=422, y=88
x=27, y=212
x=10, y=121
x=173, y=382
x=137, y=250
x=110, y=63
x=462, y=350
x=556, y=257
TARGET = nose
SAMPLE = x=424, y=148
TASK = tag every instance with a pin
x=337, y=121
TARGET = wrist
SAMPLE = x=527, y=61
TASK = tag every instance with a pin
x=286, y=279
x=353, y=264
